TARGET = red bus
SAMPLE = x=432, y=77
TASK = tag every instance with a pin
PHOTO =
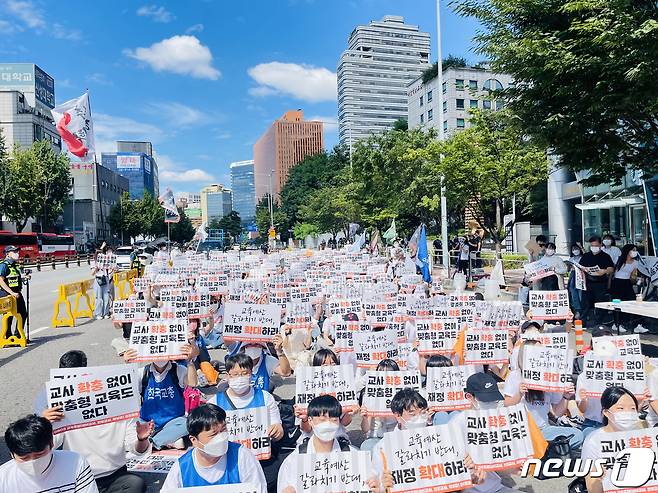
x=53, y=245
x=27, y=244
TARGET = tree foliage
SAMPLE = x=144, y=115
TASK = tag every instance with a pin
x=231, y=224
x=585, y=76
x=448, y=62
x=36, y=183
x=263, y=218
x=182, y=231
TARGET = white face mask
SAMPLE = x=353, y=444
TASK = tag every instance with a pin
x=575, y=253
x=326, y=431
x=634, y=253
x=483, y=406
x=253, y=352
x=416, y=422
x=607, y=242
x=217, y=446
x=36, y=467
x=550, y=252
x=240, y=385
x=624, y=420
x=595, y=249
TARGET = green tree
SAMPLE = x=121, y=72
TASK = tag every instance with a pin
x=231, y=224
x=585, y=77
x=401, y=125
x=182, y=231
x=40, y=184
x=151, y=215
x=125, y=219
x=263, y=218
x=5, y=175
x=302, y=230
x=486, y=165
x=449, y=61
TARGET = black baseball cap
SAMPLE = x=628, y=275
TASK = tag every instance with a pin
x=351, y=317
x=483, y=387
x=11, y=248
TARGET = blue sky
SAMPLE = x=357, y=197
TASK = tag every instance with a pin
x=202, y=79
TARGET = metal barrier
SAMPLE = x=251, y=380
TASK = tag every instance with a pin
x=79, y=289
x=38, y=263
x=8, y=311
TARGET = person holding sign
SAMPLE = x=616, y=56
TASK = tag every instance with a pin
x=540, y=403
x=373, y=426
x=554, y=264
x=324, y=414
x=102, y=271
x=620, y=413
x=213, y=460
x=597, y=266
x=36, y=466
x=266, y=365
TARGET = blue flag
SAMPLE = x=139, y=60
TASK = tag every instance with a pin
x=423, y=257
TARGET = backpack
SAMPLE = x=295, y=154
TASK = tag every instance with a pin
x=192, y=398
x=291, y=431
x=558, y=448
x=342, y=441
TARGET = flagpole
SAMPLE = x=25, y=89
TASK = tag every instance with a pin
x=444, y=206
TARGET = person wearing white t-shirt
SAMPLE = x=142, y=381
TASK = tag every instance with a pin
x=620, y=413
x=610, y=247
x=625, y=269
x=540, y=403
x=324, y=414
x=36, y=466
x=213, y=460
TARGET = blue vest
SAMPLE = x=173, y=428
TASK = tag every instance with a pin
x=190, y=477
x=222, y=400
x=261, y=379
x=163, y=401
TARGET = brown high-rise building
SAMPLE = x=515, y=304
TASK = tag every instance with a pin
x=287, y=142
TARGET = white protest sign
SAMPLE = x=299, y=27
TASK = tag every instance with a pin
x=159, y=340
x=538, y=270
x=398, y=323
x=420, y=307
x=463, y=315
x=129, y=310
x=378, y=313
x=346, y=472
x=626, y=345
x=298, y=316
x=461, y=300
x=251, y=323
x=445, y=387
x=345, y=330
x=580, y=282
x=556, y=340
x=313, y=381
x=156, y=463
x=372, y=347
x=336, y=306
x=214, y=284
x=547, y=369
x=612, y=443
x=97, y=397
x=498, y=439
x=174, y=294
x=483, y=347
x=141, y=284
x=198, y=305
x=249, y=428
x=549, y=305
x=436, y=336
x=429, y=459
x=305, y=293
x=619, y=371
x=381, y=387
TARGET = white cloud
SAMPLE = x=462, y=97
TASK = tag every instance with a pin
x=196, y=28
x=180, y=55
x=329, y=123
x=158, y=14
x=224, y=135
x=189, y=175
x=100, y=79
x=177, y=113
x=108, y=129
x=305, y=82
x=27, y=12
x=60, y=32
x=33, y=17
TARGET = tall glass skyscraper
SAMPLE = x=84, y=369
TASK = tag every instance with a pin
x=244, y=191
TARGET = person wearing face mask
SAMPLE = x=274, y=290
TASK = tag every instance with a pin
x=620, y=413
x=36, y=466
x=557, y=265
x=597, y=266
x=625, y=270
x=324, y=416
x=265, y=365
x=375, y=427
x=213, y=460
x=610, y=247
x=242, y=395
x=11, y=283
x=575, y=294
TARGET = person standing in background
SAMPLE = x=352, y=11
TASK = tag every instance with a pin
x=575, y=294
x=597, y=266
x=610, y=247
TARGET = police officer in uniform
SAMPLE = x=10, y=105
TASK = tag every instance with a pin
x=136, y=264
x=11, y=284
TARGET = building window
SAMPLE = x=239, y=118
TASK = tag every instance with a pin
x=459, y=84
x=430, y=115
x=445, y=125
x=422, y=118
x=486, y=104
x=473, y=103
x=492, y=85
x=473, y=85
x=461, y=123
x=421, y=100
x=460, y=104
x=445, y=106
x=429, y=97
x=445, y=87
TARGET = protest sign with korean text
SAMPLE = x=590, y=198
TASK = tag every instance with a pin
x=251, y=322
x=298, y=316
x=372, y=347
x=214, y=284
x=484, y=347
x=436, y=336
x=556, y=340
x=141, y=284
x=612, y=443
x=95, y=396
x=343, y=306
x=156, y=463
x=626, y=345
x=549, y=305
x=547, y=369
x=345, y=331
x=336, y=472
x=159, y=340
x=198, y=305
x=538, y=269
x=601, y=372
x=221, y=488
x=463, y=315
x=381, y=387
x=378, y=313
x=313, y=381
x=445, y=387
x=398, y=323
x=429, y=459
x=129, y=311
x=249, y=428
x=498, y=439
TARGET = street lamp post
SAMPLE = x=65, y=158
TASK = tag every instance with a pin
x=73, y=198
x=444, y=207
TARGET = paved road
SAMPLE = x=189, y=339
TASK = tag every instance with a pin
x=24, y=371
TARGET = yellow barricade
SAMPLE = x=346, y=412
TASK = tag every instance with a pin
x=8, y=310
x=80, y=289
x=123, y=283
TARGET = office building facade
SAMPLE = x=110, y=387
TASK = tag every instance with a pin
x=373, y=74
x=216, y=202
x=464, y=89
x=287, y=142
x=139, y=168
x=244, y=191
